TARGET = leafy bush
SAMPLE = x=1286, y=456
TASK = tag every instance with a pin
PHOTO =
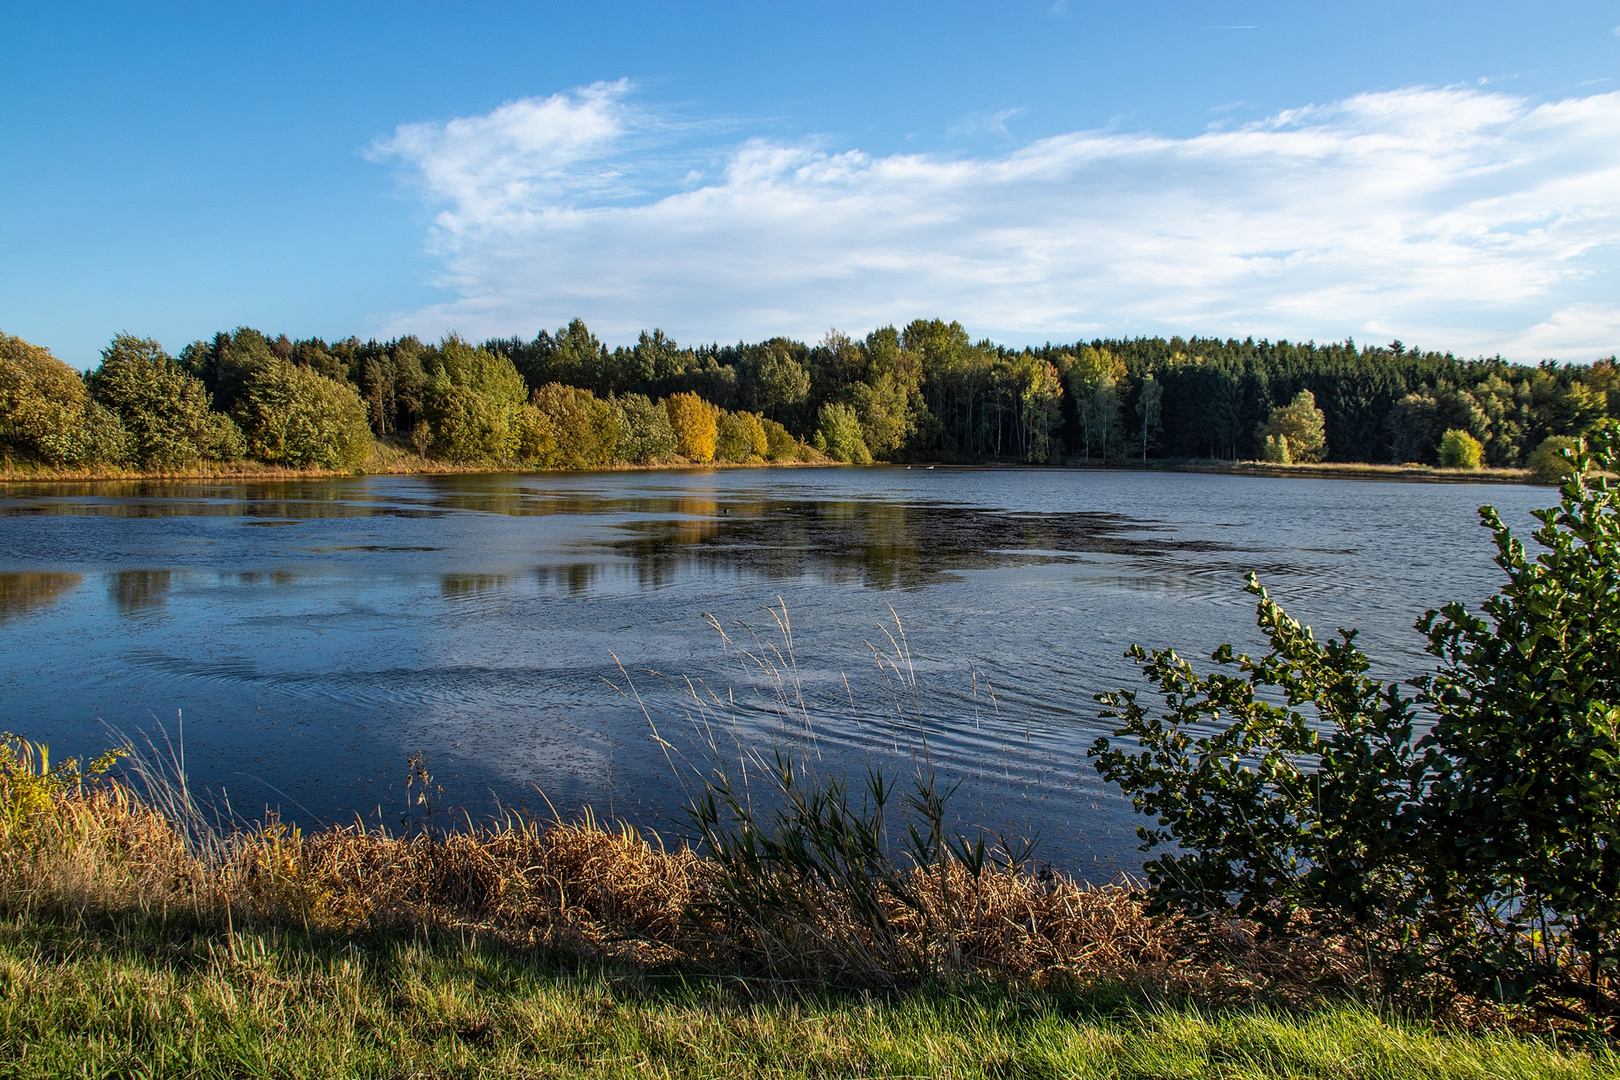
x=695, y=423
x=45, y=414
x=471, y=403
x=838, y=432
x=289, y=415
x=645, y=434
x=1548, y=465
x=1460, y=450
x=163, y=408
x=1493, y=841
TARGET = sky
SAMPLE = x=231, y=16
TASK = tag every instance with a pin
x=1444, y=174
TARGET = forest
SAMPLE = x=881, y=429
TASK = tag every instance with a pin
x=925, y=392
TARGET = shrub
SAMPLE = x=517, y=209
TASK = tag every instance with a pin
x=289, y=415
x=1460, y=450
x=1548, y=465
x=45, y=414
x=1302, y=423
x=1527, y=697
x=645, y=434
x=586, y=429
x=163, y=408
x=471, y=403
x=740, y=437
x=1490, y=842
x=695, y=423
x=1276, y=450
x=838, y=429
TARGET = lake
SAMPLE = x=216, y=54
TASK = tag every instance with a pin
x=310, y=636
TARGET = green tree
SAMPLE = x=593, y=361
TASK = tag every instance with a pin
x=740, y=437
x=1460, y=450
x=881, y=407
x=290, y=415
x=1302, y=424
x=646, y=436
x=471, y=403
x=586, y=428
x=783, y=380
x=1150, y=408
x=163, y=408
x=838, y=434
x=1042, y=409
x=45, y=413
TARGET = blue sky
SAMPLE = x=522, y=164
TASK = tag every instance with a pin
x=1445, y=174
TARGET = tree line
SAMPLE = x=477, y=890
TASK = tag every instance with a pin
x=922, y=392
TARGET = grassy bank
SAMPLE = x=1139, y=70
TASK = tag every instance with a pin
x=138, y=939
x=95, y=999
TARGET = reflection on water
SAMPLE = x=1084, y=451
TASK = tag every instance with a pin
x=23, y=593
x=312, y=634
x=138, y=591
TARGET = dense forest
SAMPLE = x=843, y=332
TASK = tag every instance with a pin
x=925, y=392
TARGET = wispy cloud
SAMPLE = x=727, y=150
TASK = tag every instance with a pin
x=1452, y=217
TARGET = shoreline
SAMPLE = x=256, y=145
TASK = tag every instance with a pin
x=411, y=465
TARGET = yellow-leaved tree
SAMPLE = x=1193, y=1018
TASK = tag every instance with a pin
x=695, y=422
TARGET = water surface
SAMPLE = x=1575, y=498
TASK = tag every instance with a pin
x=314, y=634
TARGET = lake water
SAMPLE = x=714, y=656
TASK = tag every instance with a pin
x=314, y=634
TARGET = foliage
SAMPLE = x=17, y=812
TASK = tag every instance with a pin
x=45, y=414
x=472, y=402
x=31, y=787
x=928, y=391
x=1306, y=804
x=586, y=429
x=645, y=434
x=1302, y=424
x=290, y=415
x=1495, y=838
x=695, y=424
x=1276, y=451
x=1093, y=376
x=536, y=437
x=780, y=445
x=1460, y=450
x=882, y=408
x=1549, y=463
x=740, y=437
x=1528, y=700
x=163, y=408
x=838, y=434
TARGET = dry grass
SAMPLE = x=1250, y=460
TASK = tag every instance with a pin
x=608, y=896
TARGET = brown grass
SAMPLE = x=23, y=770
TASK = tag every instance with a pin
x=610, y=896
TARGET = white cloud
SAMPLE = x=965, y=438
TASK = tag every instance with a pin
x=1455, y=218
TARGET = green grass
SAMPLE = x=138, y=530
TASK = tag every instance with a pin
x=126, y=1000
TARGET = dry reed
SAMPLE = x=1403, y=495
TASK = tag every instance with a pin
x=608, y=895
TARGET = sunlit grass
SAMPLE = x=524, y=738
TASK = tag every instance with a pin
x=130, y=1000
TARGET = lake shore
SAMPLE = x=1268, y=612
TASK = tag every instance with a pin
x=392, y=461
